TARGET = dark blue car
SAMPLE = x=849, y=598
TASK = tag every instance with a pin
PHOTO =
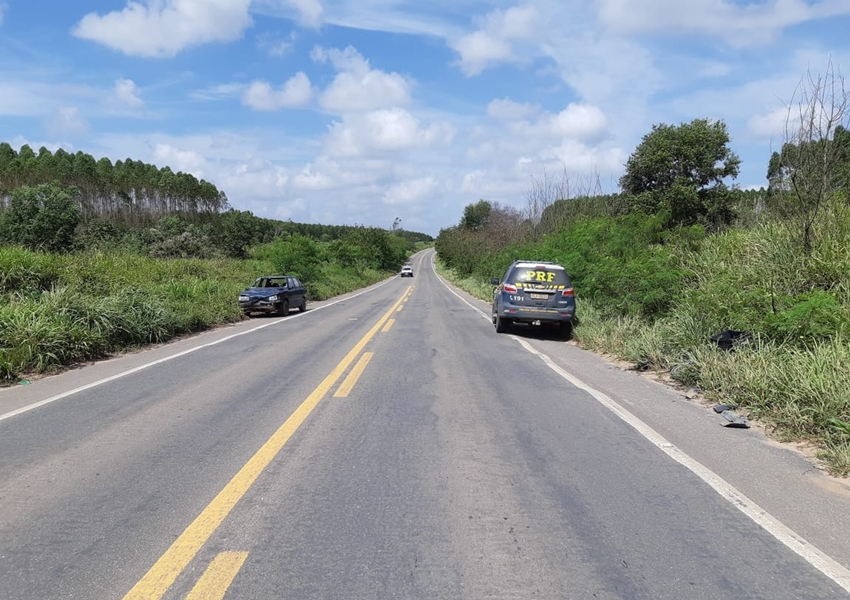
x=536, y=293
x=274, y=294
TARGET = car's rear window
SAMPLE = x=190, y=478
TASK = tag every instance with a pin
x=540, y=275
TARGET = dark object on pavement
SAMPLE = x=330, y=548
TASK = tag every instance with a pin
x=720, y=408
x=733, y=420
x=730, y=338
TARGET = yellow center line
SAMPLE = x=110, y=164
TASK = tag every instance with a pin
x=169, y=566
x=353, y=376
x=388, y=326
x=217, y=578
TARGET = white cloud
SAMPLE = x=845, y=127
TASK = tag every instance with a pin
x=297, y=91
x=67, y=120
x=576, y=157
x=576, y=122
x=739, y=24
x=309, y=179
x=310, y=11
x=217, y=92
x=506, y=109
x=188, y=161
x=162, y=28
x=3, y=7
x=277, y=47
x=512, y=138
x=358, y=87
x=479, y=49
x=126, y=93
x=492, y=42
x=383, y=130
x=769, y=124
x=411, y=191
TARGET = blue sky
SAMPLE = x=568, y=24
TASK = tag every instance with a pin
x=358, y=112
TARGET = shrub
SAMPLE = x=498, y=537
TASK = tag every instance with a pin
x=41, y=218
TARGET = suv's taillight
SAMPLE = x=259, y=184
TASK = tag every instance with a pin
x=568, y=292
x=507, y=287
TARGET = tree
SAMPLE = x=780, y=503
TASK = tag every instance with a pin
x=41, y=218
x=813, y=163
x=475, y=215
x=678, y=171
x=235, y=231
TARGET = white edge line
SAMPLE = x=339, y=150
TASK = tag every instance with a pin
x=815, y=557
x=82, y=388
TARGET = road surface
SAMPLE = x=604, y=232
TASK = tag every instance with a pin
x=389, y=444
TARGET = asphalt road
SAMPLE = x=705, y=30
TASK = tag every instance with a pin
x=390, y=445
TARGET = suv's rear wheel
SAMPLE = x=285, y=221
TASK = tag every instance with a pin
x=501, y=324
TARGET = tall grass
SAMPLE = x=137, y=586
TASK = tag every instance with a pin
x=56, y=311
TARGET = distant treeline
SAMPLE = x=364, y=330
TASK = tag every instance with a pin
x=64, y=202
x=132, y=191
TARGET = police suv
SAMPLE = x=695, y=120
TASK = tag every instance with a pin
x=534, y=292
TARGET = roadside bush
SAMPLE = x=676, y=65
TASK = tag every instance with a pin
x=812, y=316
x=295, y=254
x=41, y=218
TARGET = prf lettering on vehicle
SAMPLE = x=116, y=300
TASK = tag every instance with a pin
x=539, y=276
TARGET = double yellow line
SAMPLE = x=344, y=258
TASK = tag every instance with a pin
x=222, y=571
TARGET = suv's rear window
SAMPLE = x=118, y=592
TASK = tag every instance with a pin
x=542, y=276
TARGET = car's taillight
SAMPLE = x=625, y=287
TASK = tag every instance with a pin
x=568, y=292
x=507, y=287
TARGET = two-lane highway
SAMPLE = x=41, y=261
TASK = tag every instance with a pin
x=387, y=444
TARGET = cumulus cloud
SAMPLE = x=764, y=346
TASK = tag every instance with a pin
x=737, y=23
x=493, y=42
x=311, y=179
x=188, y=161
x=310, y=11
x=126, y=93
x=410, y=191
x=383, y=130
x=297, y=91
x=769, y=124
x=358, y=87
x=578, y=121
x=162, y=28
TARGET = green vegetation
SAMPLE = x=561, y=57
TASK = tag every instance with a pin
x=60, y=309
x=130, y=191
x=96, y=258
x=680, y=255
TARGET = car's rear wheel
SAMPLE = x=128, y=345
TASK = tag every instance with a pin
x=501, y=324
x=283, y=308
x=303, y=306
